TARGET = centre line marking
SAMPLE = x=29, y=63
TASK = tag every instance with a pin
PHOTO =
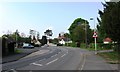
x=50, y=51
x=84, y=60
x=55, y=54
x=63, y=55
x=37, y=64
x=52, y=61
x=42, y=59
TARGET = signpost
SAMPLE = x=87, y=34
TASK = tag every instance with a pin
x=95, y=36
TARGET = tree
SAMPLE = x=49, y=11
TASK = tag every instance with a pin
x=48, y=32
x=44, y=40
x=77, y=30
x=34, y=38
x=67, y=35
x=101, y=31
x=55, y=40
x=110, y=20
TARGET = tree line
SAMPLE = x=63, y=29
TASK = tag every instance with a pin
x=108, y=26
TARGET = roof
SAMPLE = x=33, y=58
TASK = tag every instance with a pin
x=107, y=39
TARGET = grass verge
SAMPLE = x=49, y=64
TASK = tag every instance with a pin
x=111, y=57
x=17, y=51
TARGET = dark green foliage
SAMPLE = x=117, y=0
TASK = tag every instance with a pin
x=109, y=24
x=55, y=41
x=73, y=44
x=110, y=18
x=44, y=40
x=8, y=45
x=48, y=32
x=77, y=31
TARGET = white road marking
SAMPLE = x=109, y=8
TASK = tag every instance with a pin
x=36, y=64
x=52, y=61
x=83, y=63
x=51, y=51
x=59, y=52
x=13, y=70
x=63, y=55
x=42, y=59
x=55, y=54
x=52, y=56
x=67, y=52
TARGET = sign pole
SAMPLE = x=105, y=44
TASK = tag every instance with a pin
x=95, y=36
x=95, y=46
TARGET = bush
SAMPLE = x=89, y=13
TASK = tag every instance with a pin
x=82, y=45
x=73, y=44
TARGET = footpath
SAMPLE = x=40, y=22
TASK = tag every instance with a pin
x=96, y=62
x=23, y=53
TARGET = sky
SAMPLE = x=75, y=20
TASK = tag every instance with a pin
x=40, y=16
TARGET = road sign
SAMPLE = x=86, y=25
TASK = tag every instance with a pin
x=95, y=35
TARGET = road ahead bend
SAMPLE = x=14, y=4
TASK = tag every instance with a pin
x=57, y=58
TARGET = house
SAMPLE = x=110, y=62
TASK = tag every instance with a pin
x=107, y=40
x=62, y=41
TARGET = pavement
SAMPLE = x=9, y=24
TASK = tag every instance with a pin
x=23, y=53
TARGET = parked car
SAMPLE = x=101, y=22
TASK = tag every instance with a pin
x=27, y=45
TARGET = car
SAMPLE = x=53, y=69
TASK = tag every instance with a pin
x=27, y=45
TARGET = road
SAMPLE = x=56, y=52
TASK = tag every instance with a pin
x=59, y=58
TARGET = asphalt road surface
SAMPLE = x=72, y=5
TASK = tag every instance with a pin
x=58, y=58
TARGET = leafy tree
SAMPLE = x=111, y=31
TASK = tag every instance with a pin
x=48, y=32
x=78, y=34
x=55, y=40
x=77, y=31
x=110, y=18
x=67, y=35
x=44, y=40
x=34, y=38
x=101, y=31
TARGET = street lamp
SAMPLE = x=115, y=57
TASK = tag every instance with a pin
x=95, y=35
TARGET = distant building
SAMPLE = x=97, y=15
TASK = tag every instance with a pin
x=62, y=39
x=107, y=40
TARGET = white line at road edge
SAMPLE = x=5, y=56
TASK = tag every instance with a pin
x=52, y=61
x=36, y=64
x=84, y=59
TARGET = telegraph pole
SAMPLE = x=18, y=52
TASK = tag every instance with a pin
x=16, y=37
x=86, y=33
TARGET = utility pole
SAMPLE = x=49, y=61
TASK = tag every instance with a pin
x=86, y=33
x=16, y=37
